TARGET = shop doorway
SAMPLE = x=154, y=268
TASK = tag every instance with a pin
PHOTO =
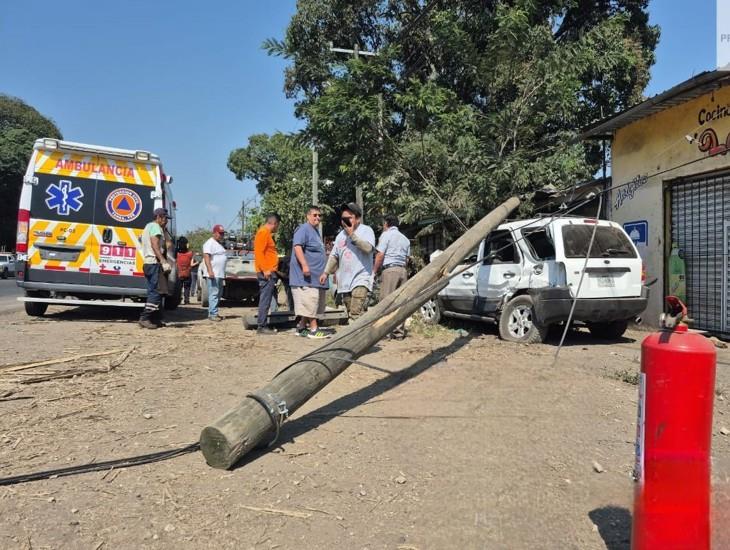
x=700, y=223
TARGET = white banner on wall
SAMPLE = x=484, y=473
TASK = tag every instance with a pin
x=723, y=33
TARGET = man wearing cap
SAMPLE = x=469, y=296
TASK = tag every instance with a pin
x=266, y=263
x=392, y=255
x=154, y=266
x=214, y=256
x=352, y=259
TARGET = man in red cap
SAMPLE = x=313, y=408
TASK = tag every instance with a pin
x=214, y=256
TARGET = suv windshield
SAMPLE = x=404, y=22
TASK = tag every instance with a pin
x=610, y=242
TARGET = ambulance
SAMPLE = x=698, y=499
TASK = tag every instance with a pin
x=80, y=220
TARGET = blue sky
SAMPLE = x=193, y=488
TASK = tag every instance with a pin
x=189, y=80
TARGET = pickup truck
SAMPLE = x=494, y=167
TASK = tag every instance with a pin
x=240, y=285
x=525, y=275
x=7, y=265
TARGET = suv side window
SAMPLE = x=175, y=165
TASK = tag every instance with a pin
x=540, y=244
x=499, y=248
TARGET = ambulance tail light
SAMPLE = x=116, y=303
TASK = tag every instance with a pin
x=23, y=227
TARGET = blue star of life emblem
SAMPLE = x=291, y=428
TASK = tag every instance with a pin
x=63, y=197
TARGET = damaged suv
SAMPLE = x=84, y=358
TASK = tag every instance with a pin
x=527, y=272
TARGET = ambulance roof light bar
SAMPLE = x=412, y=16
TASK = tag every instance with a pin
x=55, y=144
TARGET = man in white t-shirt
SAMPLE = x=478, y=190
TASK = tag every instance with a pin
x=352, y=259
x=214, y=256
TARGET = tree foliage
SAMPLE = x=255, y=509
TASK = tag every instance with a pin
x=467, y=101
x=20, y=126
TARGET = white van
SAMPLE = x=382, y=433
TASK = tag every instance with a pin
x=81, y=215
x=527, y=273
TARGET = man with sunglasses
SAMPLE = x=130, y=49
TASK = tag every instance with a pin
x=305, y=268
x=352, y=259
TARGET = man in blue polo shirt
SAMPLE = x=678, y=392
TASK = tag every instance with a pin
x=305, y=268
x=392, y=254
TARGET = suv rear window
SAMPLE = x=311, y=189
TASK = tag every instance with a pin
x=610, y=242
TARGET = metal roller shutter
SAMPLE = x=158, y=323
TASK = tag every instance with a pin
x=700, y=221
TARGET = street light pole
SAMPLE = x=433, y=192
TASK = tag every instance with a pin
x=356, y=53
x=315, y=184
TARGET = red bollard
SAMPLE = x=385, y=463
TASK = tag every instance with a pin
x=673, y=436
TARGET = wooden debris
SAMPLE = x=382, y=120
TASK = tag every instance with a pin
x=13, y=368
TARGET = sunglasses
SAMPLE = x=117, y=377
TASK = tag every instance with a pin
x=346, y=217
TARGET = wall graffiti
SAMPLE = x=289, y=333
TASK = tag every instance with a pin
x=628, y=191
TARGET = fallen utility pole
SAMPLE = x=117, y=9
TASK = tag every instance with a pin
x=259, y=416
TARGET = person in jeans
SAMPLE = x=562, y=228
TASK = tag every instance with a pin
x=266, y=263
x=214, y=256
x=305, y=267
x=352, y=259
x=184, y=260
x=154, y=264
x=392, y=255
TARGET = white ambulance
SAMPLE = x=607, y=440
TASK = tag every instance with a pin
x=81, y=215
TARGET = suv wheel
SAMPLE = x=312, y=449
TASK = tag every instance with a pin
x=431, y=312
x=612, y=330
x=4, y=273
x=517, y=322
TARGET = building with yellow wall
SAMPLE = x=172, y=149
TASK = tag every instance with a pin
x=670, y=168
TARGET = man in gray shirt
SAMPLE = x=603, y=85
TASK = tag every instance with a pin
x=352, y=259
x=392, y=254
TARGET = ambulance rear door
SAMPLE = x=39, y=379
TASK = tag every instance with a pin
x=125, y=198
x=60, y=232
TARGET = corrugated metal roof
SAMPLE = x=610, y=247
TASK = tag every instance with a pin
x=681, y=93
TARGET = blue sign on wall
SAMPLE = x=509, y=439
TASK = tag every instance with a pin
x=638, y=232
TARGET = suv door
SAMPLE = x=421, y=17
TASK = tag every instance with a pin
x=500, y=272
x=461, y=291
x=614, y=267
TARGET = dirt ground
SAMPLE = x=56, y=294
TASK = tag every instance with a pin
x=441, y=441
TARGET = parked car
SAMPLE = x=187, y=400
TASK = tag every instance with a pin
x=240, y=285
x=7, y=265
x=527, y=273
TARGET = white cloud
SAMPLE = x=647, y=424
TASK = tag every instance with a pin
x=214, y=208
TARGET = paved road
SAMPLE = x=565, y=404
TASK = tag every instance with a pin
x=9, y=291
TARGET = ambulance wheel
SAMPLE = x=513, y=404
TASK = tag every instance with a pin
x=517, y=322
x=35, y=309
x=608, y=331
x=204, y=294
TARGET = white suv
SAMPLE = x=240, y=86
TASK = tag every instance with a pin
x=528, y=272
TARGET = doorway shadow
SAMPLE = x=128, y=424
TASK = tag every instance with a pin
x=614, y=526
x=318, y=417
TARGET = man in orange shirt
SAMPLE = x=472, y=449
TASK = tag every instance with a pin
x=266, y=262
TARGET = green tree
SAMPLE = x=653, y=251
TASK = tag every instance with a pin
x=20, y=126
x=467, y=101
x=281, y=165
